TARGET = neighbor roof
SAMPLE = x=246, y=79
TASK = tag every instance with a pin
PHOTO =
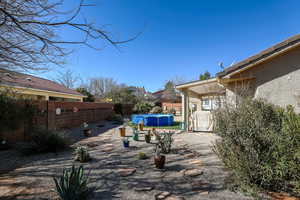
x=16, y=79
x=265, y=54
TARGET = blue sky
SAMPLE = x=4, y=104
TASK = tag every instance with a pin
x=181, y=37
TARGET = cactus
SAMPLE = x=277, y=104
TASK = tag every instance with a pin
x=82, y=154
x=72, y=185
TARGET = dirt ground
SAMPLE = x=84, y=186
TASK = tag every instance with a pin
x=192, y=170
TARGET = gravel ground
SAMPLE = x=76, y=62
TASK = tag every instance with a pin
x=116, y=173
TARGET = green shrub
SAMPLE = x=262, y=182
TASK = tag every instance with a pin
x=164, y=141
x=156, y=110
x=143, y=107
x=116, y=118
x=118, y=108
x=44, y=141
x=142, y=156
x=261, y=145
x=72, y=185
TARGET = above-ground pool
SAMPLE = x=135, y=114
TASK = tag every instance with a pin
x=153, y=119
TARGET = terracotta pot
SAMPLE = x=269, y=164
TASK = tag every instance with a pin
x=148, y=138
x=87, y=132
x=160, y=162
x=122, y=132
x=141, y=127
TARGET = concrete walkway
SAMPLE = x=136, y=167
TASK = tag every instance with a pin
x=192, y=171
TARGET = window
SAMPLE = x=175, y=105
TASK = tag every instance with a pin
x=206, y=104
x=210, y=103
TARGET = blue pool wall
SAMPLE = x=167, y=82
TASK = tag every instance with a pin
x=153, y=119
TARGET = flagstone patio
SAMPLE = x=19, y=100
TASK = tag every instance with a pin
x=192, y=171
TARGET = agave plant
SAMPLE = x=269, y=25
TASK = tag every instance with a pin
x=82, y=154
x=72, y=185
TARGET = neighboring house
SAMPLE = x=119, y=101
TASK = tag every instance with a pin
x=273, y=75
x=169, y=101
x=35, y=88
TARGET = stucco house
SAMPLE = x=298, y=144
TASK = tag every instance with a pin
x=35, y=88
x=273, y=75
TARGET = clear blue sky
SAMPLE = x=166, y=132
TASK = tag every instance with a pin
x=182, y=37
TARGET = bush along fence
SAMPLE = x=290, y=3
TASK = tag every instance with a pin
x=57, y=115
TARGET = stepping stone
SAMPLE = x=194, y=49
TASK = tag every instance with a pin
x=126, y=171
x=204, y=192
x=162, y=195
x=107, y=149
x=108, y=145
x=143, y=189
x=174, y=198
x=190, y=155
x=192, y=172
x=200, y=186
x=196, y=162
x=113, y=162
x=92, y=145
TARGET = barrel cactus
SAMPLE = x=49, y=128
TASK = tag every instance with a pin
x=82, y=154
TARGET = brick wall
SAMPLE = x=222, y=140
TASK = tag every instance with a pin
x=76, y=113
x=73, y=114
x=167, y=106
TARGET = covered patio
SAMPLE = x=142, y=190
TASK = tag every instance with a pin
x=199, y=98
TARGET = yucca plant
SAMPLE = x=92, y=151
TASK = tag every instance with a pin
x=72, y=185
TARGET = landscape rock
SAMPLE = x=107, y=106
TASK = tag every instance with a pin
x=126, y=172
x=200, y=185
x=162, y=195
x=173, y=197
x=195, y=162
x=192, y=172
x=144, y=189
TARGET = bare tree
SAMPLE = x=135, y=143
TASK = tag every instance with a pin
x=29, y=33
x=67, y=78
x=100, y=86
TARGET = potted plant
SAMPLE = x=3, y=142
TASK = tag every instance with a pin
x=135, y=135
x=148, y=137
x=155, y=135
x=122, y=131
x=125, y=142
x=86, y=130
x=141, y=126
x=159, y=160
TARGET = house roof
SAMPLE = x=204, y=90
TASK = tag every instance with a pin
x=277, y=49
x=203, y=87
x=165, y=96
x=16, y=79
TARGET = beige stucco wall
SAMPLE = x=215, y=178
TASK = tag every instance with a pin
x=277, y=81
